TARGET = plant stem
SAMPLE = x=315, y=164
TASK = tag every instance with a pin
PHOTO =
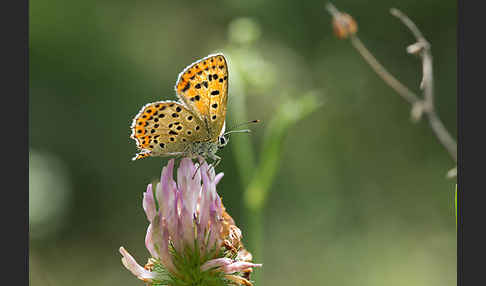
x=243, y=148
x=256, y=194
x=419, y=106
x=382, y=72
x=258, y=178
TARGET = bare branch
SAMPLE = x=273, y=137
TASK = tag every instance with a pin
x=401, y=89
x=427, y=85
x=419, y=106
x=332, y=10
x=442, y=134
x=389, y=79
x=423, y=49
x=407, y=22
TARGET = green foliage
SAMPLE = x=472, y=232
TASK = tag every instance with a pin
x=188, y=266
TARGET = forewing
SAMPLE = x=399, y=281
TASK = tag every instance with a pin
x=203, y=87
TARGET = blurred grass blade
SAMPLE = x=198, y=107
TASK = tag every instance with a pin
x=287, y=115
x=242, y=146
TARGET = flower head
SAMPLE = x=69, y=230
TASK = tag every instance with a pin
x=191, y=238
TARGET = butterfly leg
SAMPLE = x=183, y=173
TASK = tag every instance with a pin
x=217, y=163
x=197, y=169
x=216, y=159
x=195, y=172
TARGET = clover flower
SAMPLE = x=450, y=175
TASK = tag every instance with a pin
x=192, y=240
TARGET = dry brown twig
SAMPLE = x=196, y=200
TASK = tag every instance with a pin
x=345, y=27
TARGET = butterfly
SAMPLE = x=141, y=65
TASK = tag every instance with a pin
x=194, y=125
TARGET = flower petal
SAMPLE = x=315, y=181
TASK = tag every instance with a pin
x=189, y=187
x=166, y=192
x=238, y=266
x=215, y=227
x=153, y=238
x=149, y=242
x=205, y=202
x=218, y=178
x=131, y=264
x=149, y=203
x=167, y=198
x=218, y=262
x=187, y=226
x=175, y=226
x=165, y=256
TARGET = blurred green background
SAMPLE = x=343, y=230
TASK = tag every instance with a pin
x=360, y=197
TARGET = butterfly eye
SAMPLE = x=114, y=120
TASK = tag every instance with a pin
x=222, y=141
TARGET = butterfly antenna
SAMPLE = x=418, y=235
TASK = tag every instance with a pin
x=242, y=124
x=238, y=131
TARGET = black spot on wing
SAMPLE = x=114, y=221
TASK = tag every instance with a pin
x=188, y=85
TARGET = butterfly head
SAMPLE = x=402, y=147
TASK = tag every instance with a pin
x=223, y=141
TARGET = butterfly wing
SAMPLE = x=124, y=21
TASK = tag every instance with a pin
x=165, y=128
x=203, y=87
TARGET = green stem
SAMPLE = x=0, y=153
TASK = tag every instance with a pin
x=258, y=179
x=243, y=149
x=255, y=196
